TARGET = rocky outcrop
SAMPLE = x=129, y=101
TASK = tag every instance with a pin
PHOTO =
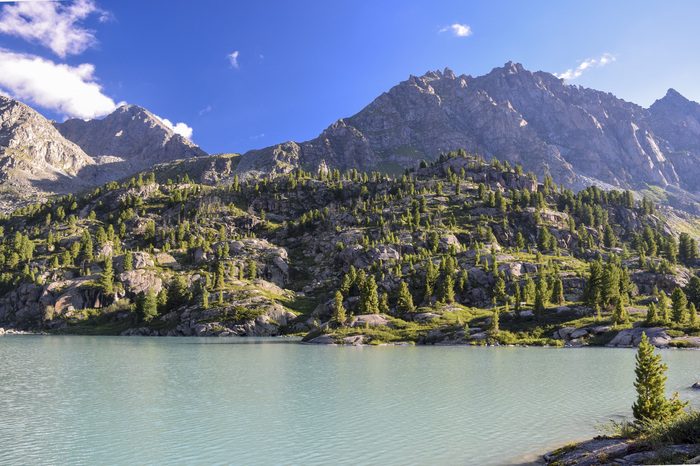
x=31, y=305
x=604, y=450
x=273, y=261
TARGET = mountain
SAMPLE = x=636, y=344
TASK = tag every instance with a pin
x=40, y=158
x=126, y=141
x=34, y=157
x=580, y=136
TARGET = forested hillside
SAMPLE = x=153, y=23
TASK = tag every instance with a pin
x=459, y=251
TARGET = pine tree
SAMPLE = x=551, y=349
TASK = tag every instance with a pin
x=404, y=304
x=558, y=292
x=663, y=307
x=150, y=305
x=620, y=314
x=369, y=301
x=539, y=301
x=177, y=292
x=678, y=305
x=651, y=404
x=517, y=298
x=107, y=277
x=593, y=291
x=651, y=315
x=384, y=303
x=205, y=298
x=431, y=275
x=692, y=315
x=252, y=269
x=495, y=321
x=338, y=309
x=499, y=290
x=128, y=261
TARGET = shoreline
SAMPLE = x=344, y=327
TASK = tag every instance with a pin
x=12, y=331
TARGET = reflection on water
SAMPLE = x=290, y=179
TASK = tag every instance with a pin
x=121, y=400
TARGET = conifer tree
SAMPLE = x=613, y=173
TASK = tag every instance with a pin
x=678, y=305
x=663, y=307
x=150, y=305
x=652, y=404
x=107, y=277
x=205, y=298
x=431, y=275
x=529, y=291
x=620, y=314
x=558, y=292
x=404, y=304
x=369, y=301
x=651, y=315
x=177, y=292
x=384, y=303
x=692, y=315
x=448, y=292
x=539, y=302
x=517, y=298
x=128, y=261
x=495, y=321
x=338, y=309
x=252, y=269
x=593, y=291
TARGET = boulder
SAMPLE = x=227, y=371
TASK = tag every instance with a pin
x=372, y=320
x=632, y=336
x=140, y=280
x=167, y=260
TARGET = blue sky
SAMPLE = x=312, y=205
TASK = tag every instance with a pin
x=235, y=76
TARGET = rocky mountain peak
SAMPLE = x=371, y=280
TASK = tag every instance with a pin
x=672, y=102
x=129, y=139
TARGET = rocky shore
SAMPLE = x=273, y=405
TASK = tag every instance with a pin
x=605, y=450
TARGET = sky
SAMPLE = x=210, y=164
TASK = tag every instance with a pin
x=234, y=76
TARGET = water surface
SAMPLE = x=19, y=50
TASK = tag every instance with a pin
x=122, y=400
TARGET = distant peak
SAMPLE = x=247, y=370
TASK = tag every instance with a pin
x=674, y=94
x=513, y=67
x=448, y=73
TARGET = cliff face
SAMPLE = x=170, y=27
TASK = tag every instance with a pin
x=677, y=120
x=34, y=157
x=577, y=135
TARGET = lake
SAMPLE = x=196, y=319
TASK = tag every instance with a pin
x=127, y=400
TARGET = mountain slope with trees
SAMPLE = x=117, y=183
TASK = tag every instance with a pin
x=459, y=251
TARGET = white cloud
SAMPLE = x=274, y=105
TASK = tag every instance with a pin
x=178, y=128
x=69, y=90
x=573, y=73
x=459, y=30
x=233, y=58
x=206, y=109
x=52, y=24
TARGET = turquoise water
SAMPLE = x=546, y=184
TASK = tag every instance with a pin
x=121, y=400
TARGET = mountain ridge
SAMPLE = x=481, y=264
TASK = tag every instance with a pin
x=535, y=119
